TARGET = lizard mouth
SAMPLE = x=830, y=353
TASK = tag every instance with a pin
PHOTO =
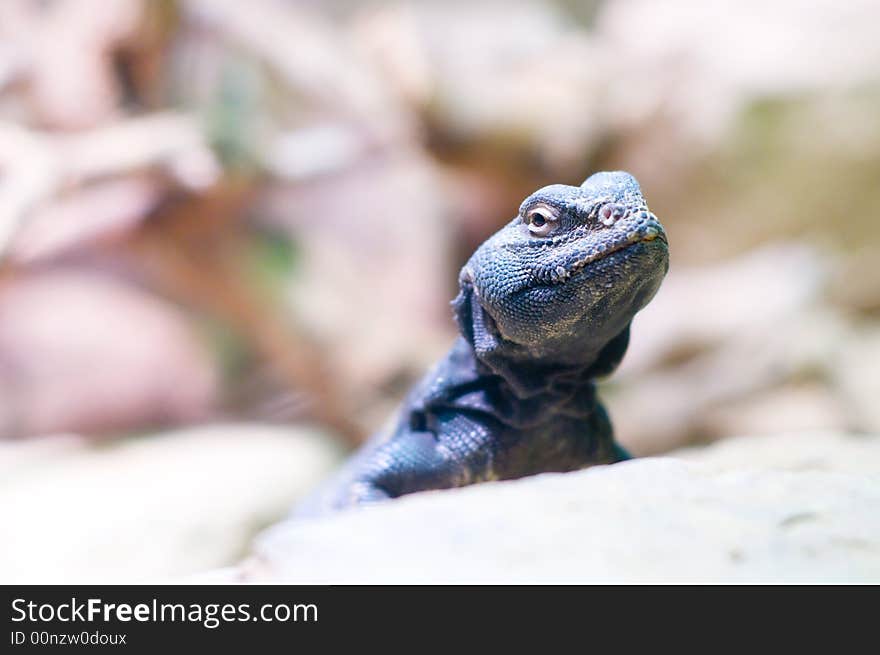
x=646, y=234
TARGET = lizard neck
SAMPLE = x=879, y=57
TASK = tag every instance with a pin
x=516, y=395
x=529, y=376
x=524, y=397
x=530, y=370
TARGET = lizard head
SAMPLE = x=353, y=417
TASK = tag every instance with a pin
x=565, y=277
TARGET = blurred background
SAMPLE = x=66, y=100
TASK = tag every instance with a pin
x=230, y=231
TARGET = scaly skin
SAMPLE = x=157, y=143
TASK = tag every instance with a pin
x=544, y=308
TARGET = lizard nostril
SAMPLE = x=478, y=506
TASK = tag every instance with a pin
x=610, y=213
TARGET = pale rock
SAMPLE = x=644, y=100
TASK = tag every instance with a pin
x=644, y=521
x=151, y=508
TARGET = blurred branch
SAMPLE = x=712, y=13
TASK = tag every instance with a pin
x=313, y=57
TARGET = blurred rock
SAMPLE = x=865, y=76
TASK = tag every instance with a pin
x=102, y=212
x=155, y=507
x=688, y=56
x=788, y=408
x=170, y=141
x=745, y=346
x=80, y=352
x=646, y=521
x=856, y=281
x=313, y=57
x=857, y=376
x=701, y=307
x=16, y=458
x=728, y=387
x=67, y=47
x=523, y=89
x=80, y=187
x=816, y=451
x=557, y=88
x=373, y=280
x=308, y=152
x=31, y=173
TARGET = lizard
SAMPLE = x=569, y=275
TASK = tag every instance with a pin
x=544, y=309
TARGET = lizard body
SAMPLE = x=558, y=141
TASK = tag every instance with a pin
x=544, y=308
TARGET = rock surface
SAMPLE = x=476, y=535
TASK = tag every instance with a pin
x=662, y=520
x=151, y=508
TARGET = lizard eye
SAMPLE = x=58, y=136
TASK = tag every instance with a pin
x=541, y=221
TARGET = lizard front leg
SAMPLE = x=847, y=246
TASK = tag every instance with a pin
x=458, y=451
